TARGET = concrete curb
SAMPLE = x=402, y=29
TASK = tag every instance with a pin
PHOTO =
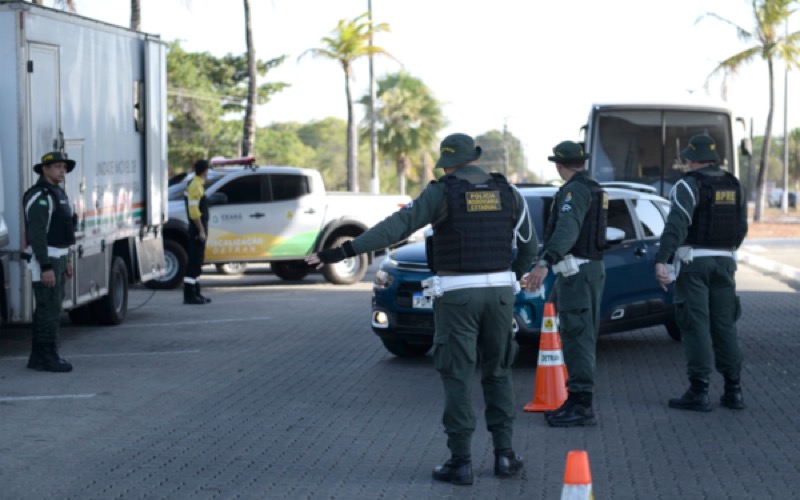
x=768, y=265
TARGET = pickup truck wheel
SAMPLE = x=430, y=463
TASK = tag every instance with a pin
x=231, y=268
x=111, y=309
x=403, y=349
x=176, y=259
x=348, y=271
x=290, y=270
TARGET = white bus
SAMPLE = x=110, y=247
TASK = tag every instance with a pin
x=641, y=142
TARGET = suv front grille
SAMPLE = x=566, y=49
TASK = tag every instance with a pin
x=406, y=291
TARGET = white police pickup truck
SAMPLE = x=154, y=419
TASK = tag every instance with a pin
x=275, y=215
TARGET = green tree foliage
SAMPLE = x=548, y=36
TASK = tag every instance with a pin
x=205, y=96
x=503, y=153
x=769, y=45
x=408, y=118
x=347, y=43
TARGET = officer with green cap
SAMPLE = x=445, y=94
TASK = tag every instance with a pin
x=483, y=242
x=50, y=231
x=706, y=224
x=574, y=242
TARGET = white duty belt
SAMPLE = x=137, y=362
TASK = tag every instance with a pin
x=686, y=254
x=435, y=286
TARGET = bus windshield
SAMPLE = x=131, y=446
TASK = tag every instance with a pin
x=643, y=144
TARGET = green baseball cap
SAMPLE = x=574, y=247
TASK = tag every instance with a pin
x=568, y=153
x=456, y=150
x=701, y=148
x=54, y=157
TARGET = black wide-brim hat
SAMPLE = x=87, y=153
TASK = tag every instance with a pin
x=701, y=148
x=569, y=153
x=457, y=150
x=54, y=157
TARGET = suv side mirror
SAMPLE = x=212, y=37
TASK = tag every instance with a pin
x=614, y=235
x=217, y=199
x=746, y=147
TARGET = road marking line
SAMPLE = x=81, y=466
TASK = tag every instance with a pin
x=44, y=398
x=114, y=355
x=232, y=320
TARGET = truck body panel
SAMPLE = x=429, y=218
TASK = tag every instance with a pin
x=97, y=92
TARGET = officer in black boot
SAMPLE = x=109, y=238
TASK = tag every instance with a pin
x=197, y=213
x=705, y=226
x=50, y=231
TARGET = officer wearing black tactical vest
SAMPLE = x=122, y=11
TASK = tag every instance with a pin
x=478, y=220
x=50, y=231
x=706, y=224
x=574, y=242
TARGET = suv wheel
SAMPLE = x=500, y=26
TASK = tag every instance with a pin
x=403, y=349
x=231, y=268
x=176, y=259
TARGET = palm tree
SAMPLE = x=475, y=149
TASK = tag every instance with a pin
x=408, y=119
x=347, y=43
x=767, y=43
x=249, y=133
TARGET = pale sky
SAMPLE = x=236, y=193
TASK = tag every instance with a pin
x=535, y=66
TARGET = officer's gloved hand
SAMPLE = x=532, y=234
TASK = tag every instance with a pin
x=333, y=255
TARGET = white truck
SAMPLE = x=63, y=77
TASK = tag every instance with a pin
x=640, y=141
x=275, y=215
x=97, y=92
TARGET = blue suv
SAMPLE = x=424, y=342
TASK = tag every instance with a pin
x=403, y=318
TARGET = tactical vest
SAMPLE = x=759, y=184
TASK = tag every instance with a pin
x=203, y=207
x=478, y=231
x=591, y=242
x=61, y=227
x=717, y=215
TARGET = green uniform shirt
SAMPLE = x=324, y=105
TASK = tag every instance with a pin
x=572, y=201
x=684, y=197
x=39, y=208
x=430, y=206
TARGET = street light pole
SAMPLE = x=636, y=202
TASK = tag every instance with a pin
x=375, y=184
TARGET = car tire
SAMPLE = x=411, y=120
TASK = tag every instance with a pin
x=403, y=349
x=673, y=331
x=290, y=270
x=231, y=268
x=348, y=271
x=111, y=309
x=176, y=259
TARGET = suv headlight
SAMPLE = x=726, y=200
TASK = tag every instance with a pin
x=382, y=279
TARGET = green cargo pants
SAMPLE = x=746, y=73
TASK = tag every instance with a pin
x=472, y=323
x=706, y=309
x=47, y=314
x=578, y=307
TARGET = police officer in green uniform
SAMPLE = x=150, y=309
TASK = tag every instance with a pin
x=197, y=215
x=706, y=224
x=50, y=230
x=574, y=241
x=478, y=220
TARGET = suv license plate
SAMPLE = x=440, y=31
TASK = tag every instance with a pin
x=420, y=301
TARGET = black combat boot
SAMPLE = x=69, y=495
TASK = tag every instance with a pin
x=507, y=463
x=200, y=295
x=579, y=413
x=190, y=296
x=571, y=398
x=732, y=397
x=36, y=359
x=695, y=399
x=48, y=359
x=457, y=470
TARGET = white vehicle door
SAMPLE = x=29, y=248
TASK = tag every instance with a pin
x=265, y=216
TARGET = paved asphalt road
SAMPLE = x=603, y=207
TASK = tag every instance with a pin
x=281, y=391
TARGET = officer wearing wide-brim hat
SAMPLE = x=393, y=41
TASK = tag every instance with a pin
x=707, y=222
x=54, y=157
x=50, y=231
x=478, y=219
x=574, y=241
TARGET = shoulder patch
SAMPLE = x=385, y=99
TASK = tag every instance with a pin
x=43, y=202
x=568, y=197
x=566, y=208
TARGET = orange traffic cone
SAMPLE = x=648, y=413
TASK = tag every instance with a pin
x=577, y=477
x=551, y=372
